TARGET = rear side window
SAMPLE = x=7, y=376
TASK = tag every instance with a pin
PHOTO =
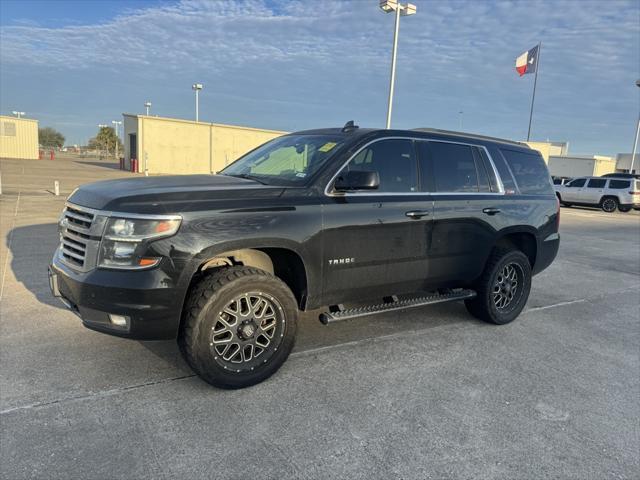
x=530, y=172
x=619, y=184
x=454, y=167
x=597, y=183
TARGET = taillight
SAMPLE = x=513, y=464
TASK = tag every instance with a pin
x=634, y=193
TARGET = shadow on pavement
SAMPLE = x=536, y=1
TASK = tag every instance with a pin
x=106, y=164
x=31, y=249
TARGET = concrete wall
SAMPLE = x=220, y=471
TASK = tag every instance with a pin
x=576, y=166
x=18, y=137
x=174, y=146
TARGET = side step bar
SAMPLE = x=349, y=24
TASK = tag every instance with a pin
x=341, y=314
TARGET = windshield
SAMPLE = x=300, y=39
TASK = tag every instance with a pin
x=287, y=160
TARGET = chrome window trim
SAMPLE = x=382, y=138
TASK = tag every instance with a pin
x=109, y=214
x=329, y=193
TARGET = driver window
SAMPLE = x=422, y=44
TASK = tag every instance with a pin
x=577, y=183
x=395, y=162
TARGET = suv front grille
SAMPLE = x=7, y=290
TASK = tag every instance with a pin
x=80, y=232
x=74, y=237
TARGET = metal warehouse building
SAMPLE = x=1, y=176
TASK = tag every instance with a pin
x=18, y=137
x=169, y=145
x=581, y=165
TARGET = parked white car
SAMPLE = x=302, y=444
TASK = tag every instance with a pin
x=604, y=192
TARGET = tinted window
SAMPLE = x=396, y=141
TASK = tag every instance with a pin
x=619, y=184
x=577, y=183
x=395, y=162
x=487, y=165
x=503, y=171
x=597, y=183
x=530, y=171
x=483, y=176
x=454, y=167
x=557, y=181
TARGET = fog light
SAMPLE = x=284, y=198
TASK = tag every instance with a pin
x=119, y=320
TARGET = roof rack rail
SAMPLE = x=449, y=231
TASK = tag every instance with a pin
x=470, y=135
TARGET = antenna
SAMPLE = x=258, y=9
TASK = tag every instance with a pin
x=349, y=126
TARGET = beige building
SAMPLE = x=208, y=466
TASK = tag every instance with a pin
x=548, y=149
x=18, y=137
x=581, y=165
x=173, y=146
x=623, y=163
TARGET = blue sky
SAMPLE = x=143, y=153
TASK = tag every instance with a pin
x=293, y=65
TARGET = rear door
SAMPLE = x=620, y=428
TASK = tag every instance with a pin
x=467, y=199
x=593, y=191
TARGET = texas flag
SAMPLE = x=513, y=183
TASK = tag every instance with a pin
x=527, y=62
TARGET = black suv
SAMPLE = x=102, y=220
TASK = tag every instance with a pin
x=383, y=219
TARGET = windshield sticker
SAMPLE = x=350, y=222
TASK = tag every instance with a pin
x=301, y=174
x=327, y=146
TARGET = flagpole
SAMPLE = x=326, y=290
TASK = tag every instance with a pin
x=535, y=81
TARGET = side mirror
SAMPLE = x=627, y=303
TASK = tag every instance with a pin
x=365, y=180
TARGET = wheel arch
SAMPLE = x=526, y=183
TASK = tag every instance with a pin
x=281, y=261
x=523, y=239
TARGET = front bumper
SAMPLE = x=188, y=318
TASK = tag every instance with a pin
x=149, y=298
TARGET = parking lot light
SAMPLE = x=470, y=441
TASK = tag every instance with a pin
x=147, y=106
x=388, y=6
x=18, y=114
x=197, y=87
x=635, y=142
x=117, y=124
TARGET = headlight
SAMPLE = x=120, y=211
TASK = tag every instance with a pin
x=125, y=241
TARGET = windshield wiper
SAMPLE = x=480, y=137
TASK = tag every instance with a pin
x=246, y=176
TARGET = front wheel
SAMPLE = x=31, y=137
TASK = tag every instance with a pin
x=503, y=289
x=609, y=204
x=239, y=327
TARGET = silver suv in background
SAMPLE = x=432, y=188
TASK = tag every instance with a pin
x=605, y=192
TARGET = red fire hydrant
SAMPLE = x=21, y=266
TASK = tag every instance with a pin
x=134, y=165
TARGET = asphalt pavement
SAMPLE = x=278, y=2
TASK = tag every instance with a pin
x=424, y=393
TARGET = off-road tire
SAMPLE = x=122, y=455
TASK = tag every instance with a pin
x=609, y=204
x=208, y=298
x=483, y=306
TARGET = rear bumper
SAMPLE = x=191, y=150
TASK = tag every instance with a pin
x=547, y=251
x=147, y=298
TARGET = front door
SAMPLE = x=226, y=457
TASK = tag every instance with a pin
x=594, y=191
x=572, y=191
x=376, y=242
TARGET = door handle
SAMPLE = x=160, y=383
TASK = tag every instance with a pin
x=417, y=213
x=491, y=210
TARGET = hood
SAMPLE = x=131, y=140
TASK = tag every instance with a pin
x=169, y=194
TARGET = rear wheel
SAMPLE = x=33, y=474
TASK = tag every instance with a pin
x=503, y=289
x=609, y=204
x=239, y=327
x=624, y=209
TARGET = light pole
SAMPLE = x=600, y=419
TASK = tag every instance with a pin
x=18, y=114
x=197, y=87
x=461, y=113
x=635, y=142
x=147, y=106
x=117, y=123
x=388, y=6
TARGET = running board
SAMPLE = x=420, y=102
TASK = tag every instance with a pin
x=342, y=314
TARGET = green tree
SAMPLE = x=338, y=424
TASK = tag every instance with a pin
x=50, y=138
x=106, y=140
